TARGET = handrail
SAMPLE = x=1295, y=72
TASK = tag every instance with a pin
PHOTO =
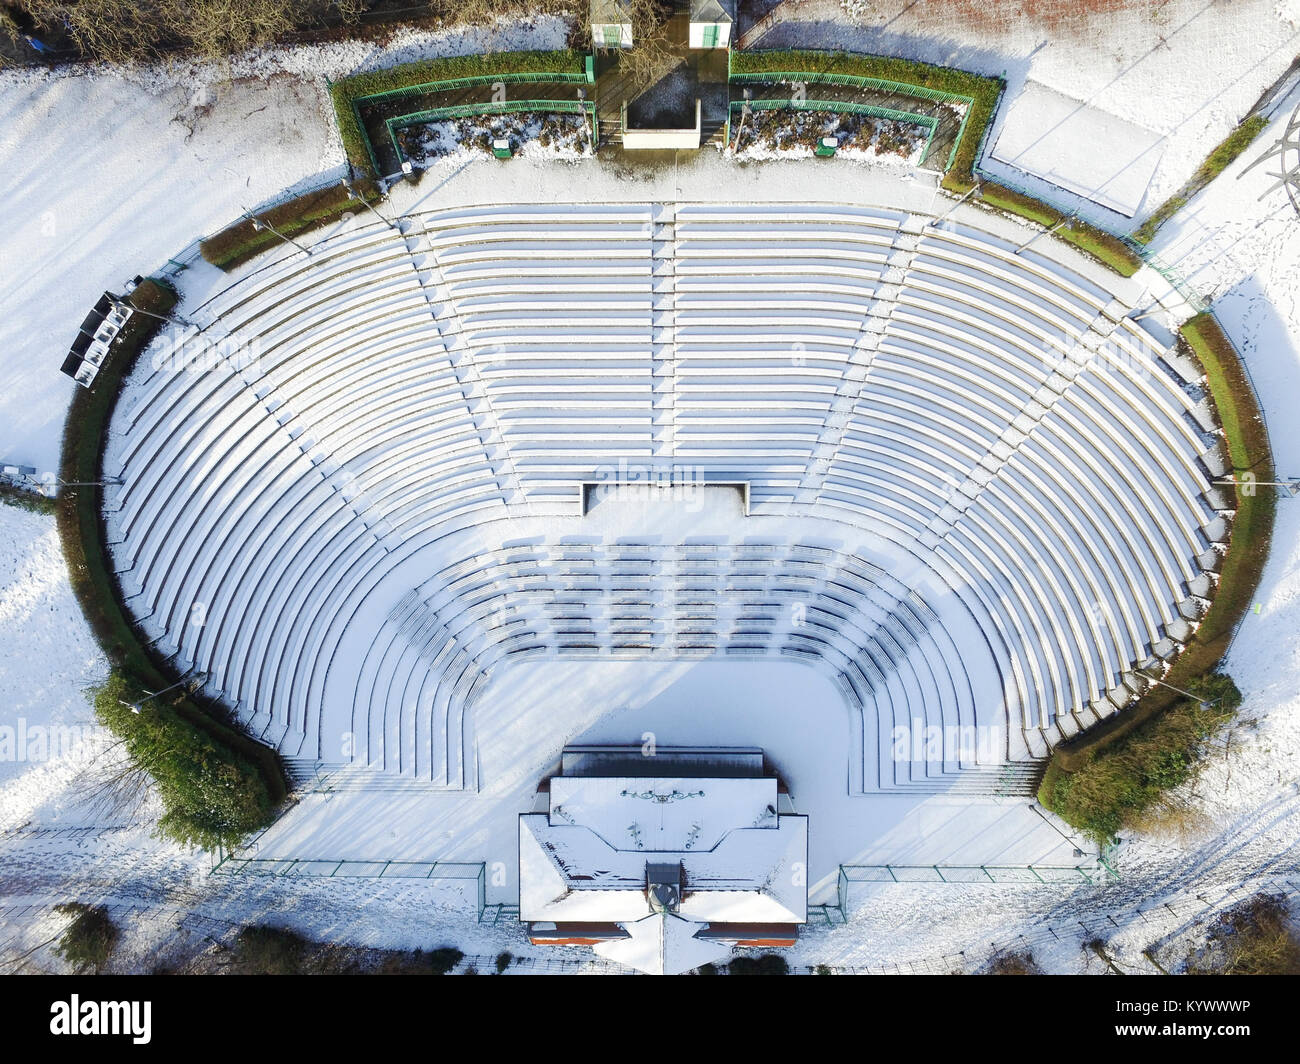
x=468, y=110
x=928, y=122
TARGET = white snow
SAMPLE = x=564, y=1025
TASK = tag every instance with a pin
x=48, y=734
x=1080, y=148
x=109, y=174
x=88, y=211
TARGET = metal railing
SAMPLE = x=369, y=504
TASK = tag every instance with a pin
x=280, y=867
x=863, y=82
x=928, y=122
x=470, y=110
x=473, y=80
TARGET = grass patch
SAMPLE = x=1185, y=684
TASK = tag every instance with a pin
x=348, y=93
x=960, y=176
x=90, y=572
x=1215, y=163
x=89, y=940
x=238, y=243
x=31, y=501
x=1123, y=782
x=1258, y=937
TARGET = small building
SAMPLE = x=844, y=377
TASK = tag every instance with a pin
x=663, y=863
x=611, y=24
x=711, y=22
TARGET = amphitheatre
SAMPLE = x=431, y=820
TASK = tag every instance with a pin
x=458, y=483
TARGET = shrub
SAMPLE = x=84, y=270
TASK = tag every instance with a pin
x=89, y=940
x=1124, y=780
x=212, y=795
x=1258, y=937
x=1015, y=964
x=263, y=950
x=443, y=960
x=767, y=964
x=503, y=962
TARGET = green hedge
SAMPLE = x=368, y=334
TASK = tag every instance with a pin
x=1116, y=785
x=985, y=92
x=1106, y=248
x=960, y=177
x=212, y=796
x=1248, y=548
x=90, y=572
x=238, y=243
x=347, y=93
x=1215, y=163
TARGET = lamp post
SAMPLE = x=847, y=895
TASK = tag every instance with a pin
x=135, y=707
x=1200, y=702
x=259, y=225
x=106, y=482
x=1292, y=486
x=353, y=194
x=170, y=319
x=965, y=196
x=1045, y=232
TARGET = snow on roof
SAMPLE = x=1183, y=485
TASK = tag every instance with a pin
x=713, y=10
x=741, y=863
x=663, y=944
x=663, y=814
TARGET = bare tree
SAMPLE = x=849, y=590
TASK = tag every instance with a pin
x=651, y=55
x=220, y=27
x=118, y=31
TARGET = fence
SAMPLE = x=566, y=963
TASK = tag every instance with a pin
x=470, y=110
x=355, y=103
x=863, y=83
x=1099, y=871
x=1090, y=921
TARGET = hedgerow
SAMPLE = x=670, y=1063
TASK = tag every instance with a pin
x=347, y=93
x=960, y=177
x=224, y=757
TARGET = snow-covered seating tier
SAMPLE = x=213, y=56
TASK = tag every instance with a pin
x=997, y=419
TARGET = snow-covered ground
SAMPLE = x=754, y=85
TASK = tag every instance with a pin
x=47, y=730
x=109, y=175
x=1150, y=85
